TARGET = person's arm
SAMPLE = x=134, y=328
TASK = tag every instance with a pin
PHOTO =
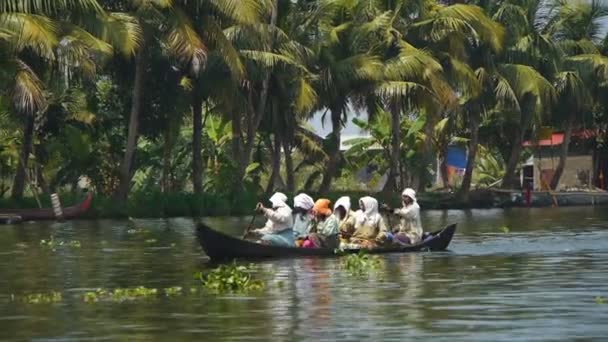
x=280, y=215
x=382, y=226
x=407, y=212
x=332, y=226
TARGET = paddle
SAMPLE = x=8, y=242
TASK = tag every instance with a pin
x=250, y=224
x=388, y=211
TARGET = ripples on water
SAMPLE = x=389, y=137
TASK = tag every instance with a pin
x=537, y=282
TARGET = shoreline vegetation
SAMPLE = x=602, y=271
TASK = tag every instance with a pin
x=198, y=108
x=160, y=205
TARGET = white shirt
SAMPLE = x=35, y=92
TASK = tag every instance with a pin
x=410, y=224
x=279, y=219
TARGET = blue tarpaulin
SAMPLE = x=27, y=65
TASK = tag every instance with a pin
x=457, y=157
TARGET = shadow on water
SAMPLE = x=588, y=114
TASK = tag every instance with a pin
x=509, y=275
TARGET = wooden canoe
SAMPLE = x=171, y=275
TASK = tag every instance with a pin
x=220, y=246
x=17, y=215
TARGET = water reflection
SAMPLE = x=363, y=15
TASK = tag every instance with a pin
x=538, y=281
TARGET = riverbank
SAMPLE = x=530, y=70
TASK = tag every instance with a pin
x=159, y=205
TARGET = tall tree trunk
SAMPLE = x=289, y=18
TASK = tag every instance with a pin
x=564, y=151
x=167, y=147
x=276, y=163
x=26, y=149
x=394, y=166
x=508, y=181
x=334, y=153
x=254, y=117
x=443, y=170
x=427, y=155
x=197, y=143
x=136, y=103
x=471, y=157
x=525, y=121
x=291, y=183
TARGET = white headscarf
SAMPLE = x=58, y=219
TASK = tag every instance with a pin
x=409, y=192
x=278, y=200
x=343, y=202
x=303, y=201
x=370, y=214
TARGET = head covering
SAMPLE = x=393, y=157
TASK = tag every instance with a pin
x=278, y=200
x=343, y=202
x=409, y=192
x=370, y=213
x=322, y=207
x=303, y=201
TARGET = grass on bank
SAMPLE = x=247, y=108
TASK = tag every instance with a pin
x=155, y=204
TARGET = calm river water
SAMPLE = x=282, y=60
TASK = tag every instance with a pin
x=537, y=281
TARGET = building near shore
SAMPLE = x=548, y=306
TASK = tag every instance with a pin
x=586, y=167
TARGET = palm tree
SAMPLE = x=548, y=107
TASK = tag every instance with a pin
x=51, y=31
x=462, y=38
x=577, y=28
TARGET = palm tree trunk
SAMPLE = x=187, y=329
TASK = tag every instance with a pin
x=255, y=116
x=395, y=149
x=508, y=181
x=197, y=136
x=472, y=155
x=26, y=149
x=427, y=151
x=564, y=151
x=334, y=153
x=166, y=159
x=443, y=170
x=136, y=103
x=291, y=183
x=276, y=162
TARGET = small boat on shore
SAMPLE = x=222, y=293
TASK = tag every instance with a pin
x=9, y=216
x=220, y=246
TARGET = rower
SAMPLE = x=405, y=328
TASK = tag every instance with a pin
x=303, y=216
x=345, y=216
x=278, y=228
x=370, y=227
x=326, y=230
x=410, y=227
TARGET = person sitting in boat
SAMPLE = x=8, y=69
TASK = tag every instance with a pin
x=346, y=217
x=370, y=228
x=278, y=228
x=303, y=217
x=325, y=230
x=410, y=227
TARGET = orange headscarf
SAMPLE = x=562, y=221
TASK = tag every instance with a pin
x=322, y=207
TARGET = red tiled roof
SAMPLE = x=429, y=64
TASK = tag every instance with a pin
x=558, y=138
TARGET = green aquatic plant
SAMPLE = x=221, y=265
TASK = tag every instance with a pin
x=230, y=279
x=361, y=264
x=120, y=294
x=173, y=291
x=505, y=229
x=600, y=300
x=150, y=241
x=53, y=244
x=138, y=231
x=41, y=298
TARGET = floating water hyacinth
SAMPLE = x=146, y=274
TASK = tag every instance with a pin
x=173, y=291
x=600, y=300
x=361, y=264
x=505, y=229
x=120, y=294
x=53, y=243
x=230, y=279
x=40, y=298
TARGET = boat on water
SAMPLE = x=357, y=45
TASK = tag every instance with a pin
x=220, y=246
x=9, y=216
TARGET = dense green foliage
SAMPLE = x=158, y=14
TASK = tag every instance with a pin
x=200, y=106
